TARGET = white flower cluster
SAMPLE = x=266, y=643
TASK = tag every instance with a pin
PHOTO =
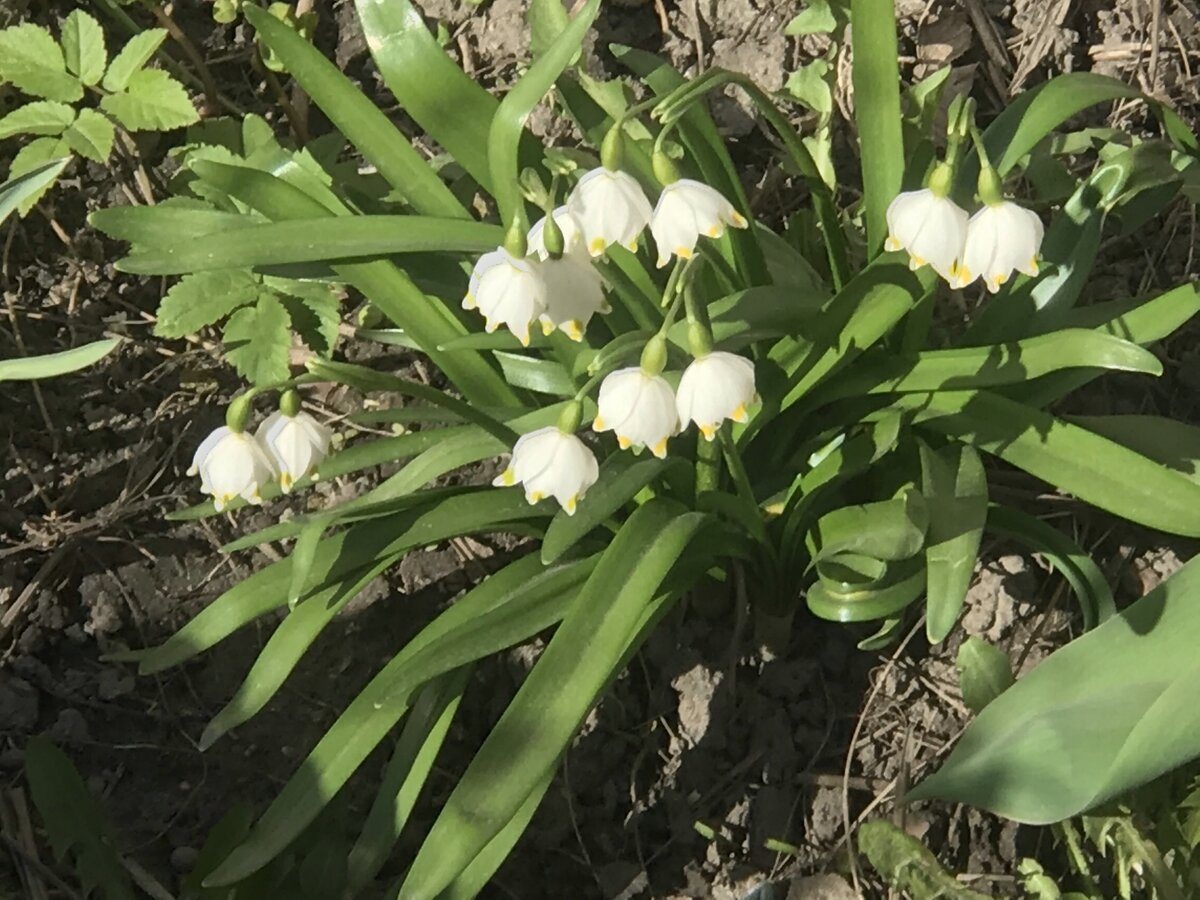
x=637, y=403
x=999, y=239
x=239, y=464
x=607, y=207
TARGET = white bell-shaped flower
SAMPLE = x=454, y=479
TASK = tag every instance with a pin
x=931, y=228
x=685, y=210
x=715, y=387
x=1001, y=238
x=611, y=208
x=551, y=463
x=297, y=443
x=573, y=240
x=232, y=464
x=507, y=291
x=639, y=408
x=574, y=293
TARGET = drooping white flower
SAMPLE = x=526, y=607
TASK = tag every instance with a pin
x=932, y=229
x=639, y=408
x=574, y=293
x=1001, y=238
x=551, y=463
x=685, y=210
x=232, y=464
x=297, y=444
x=507, y=291
x=573, y=240
x=714, y=388
x=611, y=208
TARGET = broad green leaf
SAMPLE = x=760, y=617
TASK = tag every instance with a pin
x=83, y=46
x=257, y=340
x=424, y=731
x=507, y=608
x=888, y=530
x=1093, y=468
x=1174, y=444
x=33, y=61
x=1015, y=362
x=151, y=101
x=37, y=159
x=504, y=135
x=538, y=724
x=817, y=17
x=385, y=285
x=165, y=224
x=38, y=117
x=622, y=475
x=956, y=494
x=74, y=821
x=1108, y=712
x=91, y=136
x=23, y=189
x=984, y=672
x=867, y=596
x=1088, y=583
x=876, y=78
x=203, y=299
x=907, y=865
x=308, y=240
x=547, y=19
x=135, y=54
x=546, y=376
x=357, y=118
x=448, y=105
x=51, y=365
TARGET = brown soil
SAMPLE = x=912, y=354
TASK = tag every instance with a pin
x=703, y=727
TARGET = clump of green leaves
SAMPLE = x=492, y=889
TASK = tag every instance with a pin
x=304, y=24
x=62, y=74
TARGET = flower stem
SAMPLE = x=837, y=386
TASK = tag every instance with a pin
x=708, y=467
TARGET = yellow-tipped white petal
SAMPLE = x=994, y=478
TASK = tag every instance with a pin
x=551, y=463
x=714, y=388
x=234, y=464
x=687, y=209
x=610, y=207
x=639, y=408
x=297, y=444
x=931, y=229
x=1002, y=238
x=508, y=291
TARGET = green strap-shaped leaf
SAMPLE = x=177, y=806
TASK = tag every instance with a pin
x=454, y=110
x=1077, y=461
x=984, y=672
x=540, y=721
x=19, y=189
x=508, y=607
x=424, y=731
x=1015, y=362
x=453, y=516
x=164, y=224
x=876, y=78
x=385, y=285
x=504, y=136
x=1075, y=564
x=955, y=489
x=51, y=365
x=1174, y=444
x=1110, y=711
x=314, y=240
x=356, y=117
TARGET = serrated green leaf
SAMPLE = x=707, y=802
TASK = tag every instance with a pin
x=32, y=60
x=39, y=117
x=91, y=135
x=73, y=819
x=83, y=47
x=135, y=54
x=257, y=340
x=33, y=156
x=313, y=309
x=984, y=672
x=151, y=101
x=204, y=299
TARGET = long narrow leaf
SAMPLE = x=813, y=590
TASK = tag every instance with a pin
x=51, y=365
